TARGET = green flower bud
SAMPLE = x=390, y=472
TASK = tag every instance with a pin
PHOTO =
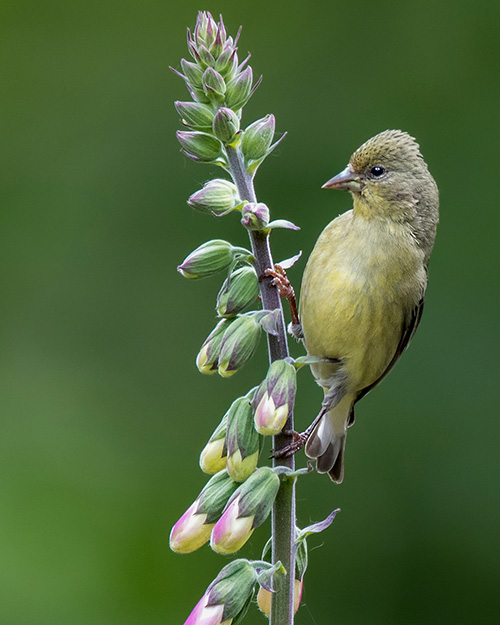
x=225, y=125
x=213, y=458
x=239, y=90
x=275, y=397
x=239, y=344
x=205, y=29
x=257, y=138
x=213, y=83
x=239, y=290
x=195, y=115
x=193, y=529
x=247, y=508
x=193, y=73
x=204, y=56
x=218, y=44
x=207, y=360
x=208, y=259
x=197, y=94
x=255, y=216
x=242, y=440
x=218, y=197
x=199, y=146
x=227, y=598
x=227, y=60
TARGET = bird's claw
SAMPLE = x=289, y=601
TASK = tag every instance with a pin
x=280, y=281
x=299, y=440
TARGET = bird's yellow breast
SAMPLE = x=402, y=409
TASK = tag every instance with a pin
x=361, y=283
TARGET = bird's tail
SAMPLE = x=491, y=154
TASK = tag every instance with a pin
x=326, y=444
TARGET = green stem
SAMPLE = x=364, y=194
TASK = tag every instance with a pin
x=283, y=516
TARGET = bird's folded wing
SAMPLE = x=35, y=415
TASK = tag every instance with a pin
x=407, y=333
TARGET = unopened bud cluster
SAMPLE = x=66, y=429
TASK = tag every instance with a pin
x=219, y=85
x=238, y=496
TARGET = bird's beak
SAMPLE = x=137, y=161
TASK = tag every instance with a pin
x=348, y=179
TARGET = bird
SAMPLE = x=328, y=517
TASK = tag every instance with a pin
x=363, y=287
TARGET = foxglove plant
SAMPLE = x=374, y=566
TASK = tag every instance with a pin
x=239, y=496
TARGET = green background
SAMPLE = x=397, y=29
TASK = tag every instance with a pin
x=103, y=412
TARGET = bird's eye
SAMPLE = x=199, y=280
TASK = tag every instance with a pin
x=377, y=171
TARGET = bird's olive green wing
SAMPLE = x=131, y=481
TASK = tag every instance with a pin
x=409, y=330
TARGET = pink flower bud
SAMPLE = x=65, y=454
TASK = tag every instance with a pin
x=204, y=614
x=191, y=531
x=248, y=508
x=255, y=216
x=269, y=418
x=227, y=597
x=231, y=532
x=275, y=398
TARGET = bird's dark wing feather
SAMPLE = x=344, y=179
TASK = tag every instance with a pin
x=409, y=330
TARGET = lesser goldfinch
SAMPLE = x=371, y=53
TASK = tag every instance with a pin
x=363, y=287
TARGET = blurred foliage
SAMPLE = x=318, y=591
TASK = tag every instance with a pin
x=103, y=412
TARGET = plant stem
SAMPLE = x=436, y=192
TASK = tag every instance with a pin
x=283, y=516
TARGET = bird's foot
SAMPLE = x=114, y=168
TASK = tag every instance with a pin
x=285, y=289
x=299, y=440
x=280, y=281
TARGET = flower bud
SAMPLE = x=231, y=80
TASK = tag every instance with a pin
x=207, y=360
x=225, y=125
x=218, y=44
x=205, y=29
x=239, y=89
x=199, y=146
x=257, y=138
x=264, y=598
x=239, y=344
x=227, y=60
x=213, y=458
x=242, y=440
x=208, y=259
x=275, y=397
x=239, y=290
x=213, y=83
x=217, y=197
x=193, y=529
x=228, y=596
x=255, y=216
x=193, y=73
x=195, y=114
x=248, y=508
x=205, y=57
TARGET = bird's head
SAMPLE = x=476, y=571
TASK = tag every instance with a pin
x=389, y=179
